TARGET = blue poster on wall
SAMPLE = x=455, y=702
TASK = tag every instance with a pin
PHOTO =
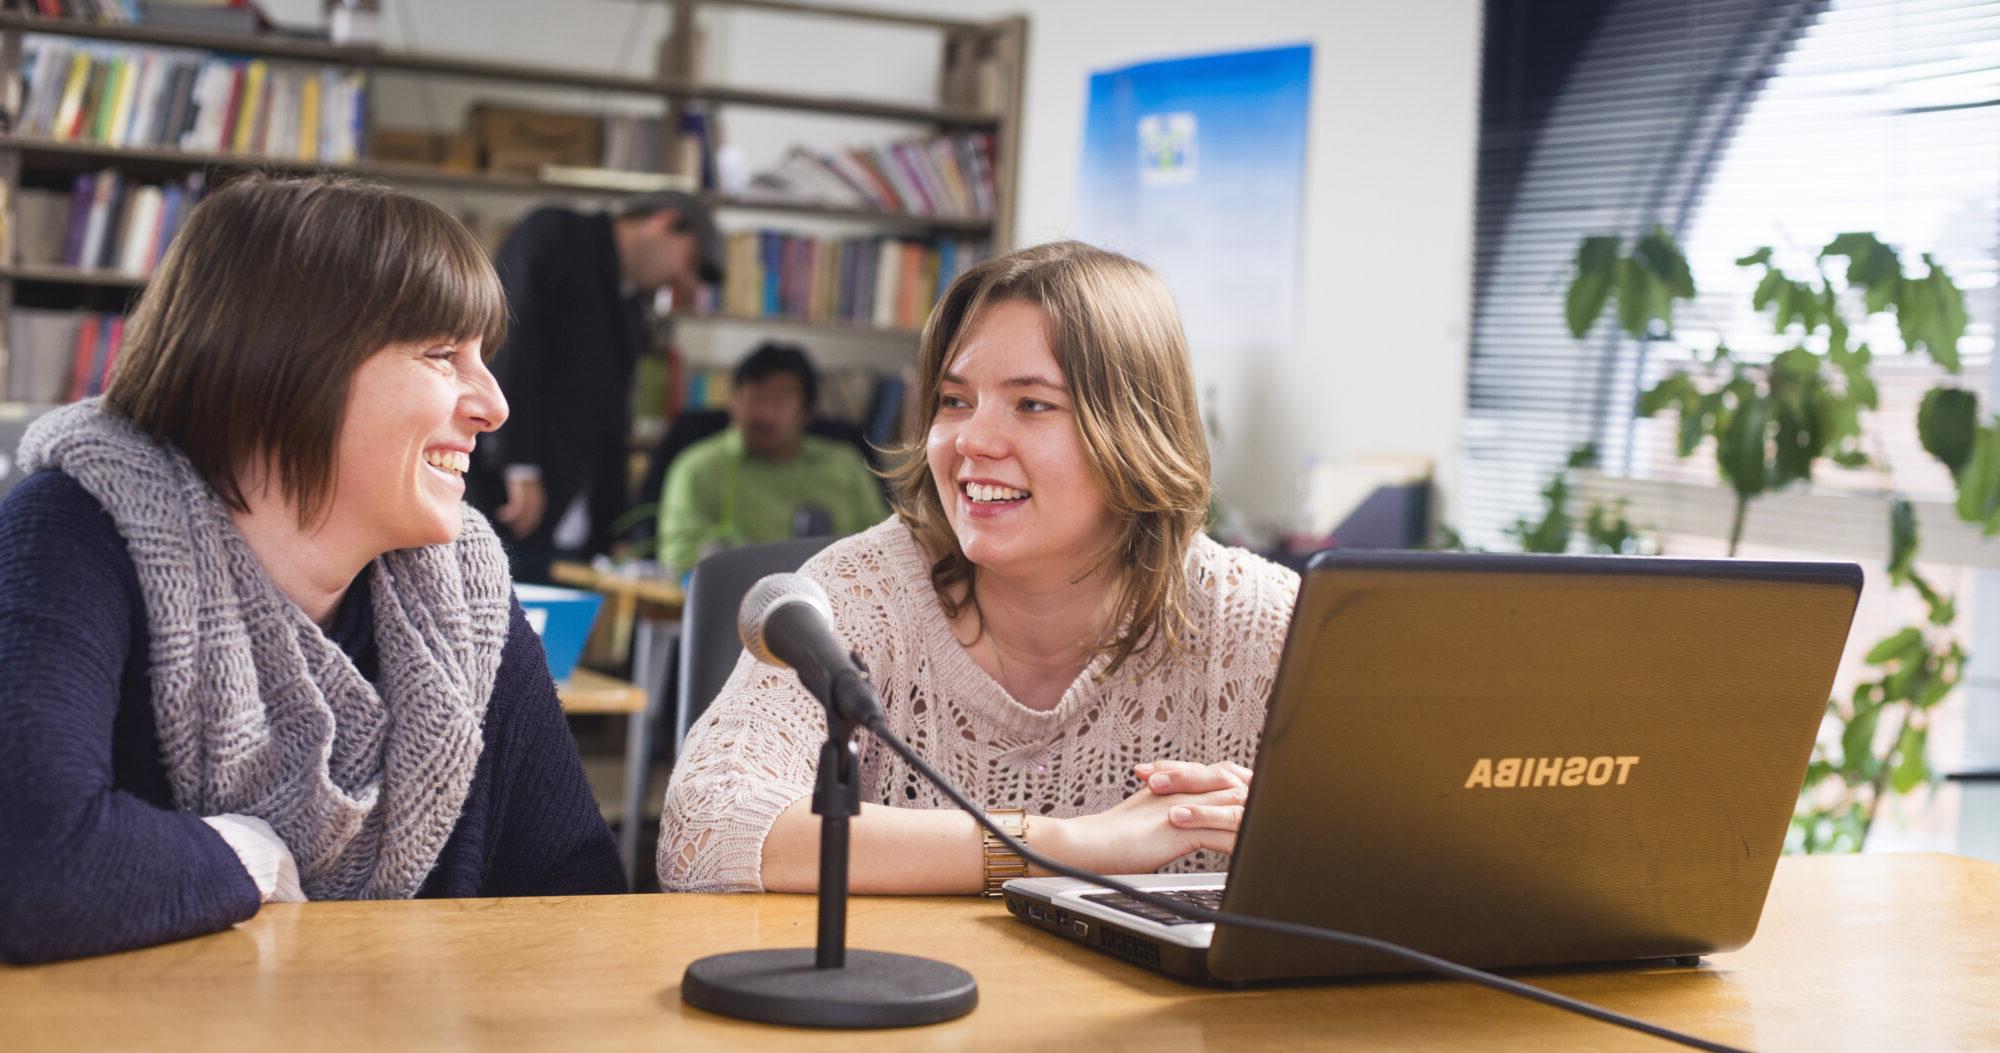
x=1197, y=167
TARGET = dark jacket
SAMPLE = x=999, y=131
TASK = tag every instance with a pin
x=566, y=368
x=94, y=855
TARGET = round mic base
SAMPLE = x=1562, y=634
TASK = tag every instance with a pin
x=874, y=989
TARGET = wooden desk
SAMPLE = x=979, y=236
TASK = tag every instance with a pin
x=1896, y=952
x=646, y=612
x=589, y=691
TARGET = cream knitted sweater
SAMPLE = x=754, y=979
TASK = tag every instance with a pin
x=756, y=749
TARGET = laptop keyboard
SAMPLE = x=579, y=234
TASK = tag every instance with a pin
x=1210, y=898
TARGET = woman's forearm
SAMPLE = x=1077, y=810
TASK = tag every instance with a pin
x=891, y=851
x=895, y=851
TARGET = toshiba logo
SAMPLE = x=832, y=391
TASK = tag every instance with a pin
x=1507, y=773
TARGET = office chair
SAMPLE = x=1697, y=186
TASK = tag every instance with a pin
x=709, y=644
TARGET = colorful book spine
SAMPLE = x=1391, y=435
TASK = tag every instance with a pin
x=177, y=98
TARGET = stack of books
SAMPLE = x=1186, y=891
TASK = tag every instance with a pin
x=890, y=283
x=58, y=356
x=107, y=222
x=107, y=12
x=209, y=16
x=160, y=97
x=948, y=177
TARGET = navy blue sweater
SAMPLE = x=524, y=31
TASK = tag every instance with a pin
x=94, y=857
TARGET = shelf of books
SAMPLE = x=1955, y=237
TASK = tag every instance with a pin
x=113, y=130
x=886, y=284
x=275, y=47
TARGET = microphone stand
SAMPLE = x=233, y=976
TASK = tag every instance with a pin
x=828, y=985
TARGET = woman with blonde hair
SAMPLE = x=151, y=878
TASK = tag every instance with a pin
x=1042, y=617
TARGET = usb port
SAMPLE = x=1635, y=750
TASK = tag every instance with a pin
x=1035, y=913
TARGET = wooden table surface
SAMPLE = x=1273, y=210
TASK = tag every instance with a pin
x=589, y=691
x=1890, y=952
x=659, y=597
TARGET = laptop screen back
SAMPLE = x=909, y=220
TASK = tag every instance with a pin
x=1526, y=760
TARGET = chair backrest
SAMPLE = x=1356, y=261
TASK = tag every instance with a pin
x=709, y=644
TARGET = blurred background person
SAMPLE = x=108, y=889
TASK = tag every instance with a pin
x=765, y=478
x=580, y=287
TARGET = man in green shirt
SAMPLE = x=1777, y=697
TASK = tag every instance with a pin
x=765, y=479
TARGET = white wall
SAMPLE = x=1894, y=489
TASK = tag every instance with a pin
x=1379, y=363
x=1378, y=366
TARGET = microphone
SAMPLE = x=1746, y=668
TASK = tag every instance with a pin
x=787, y=621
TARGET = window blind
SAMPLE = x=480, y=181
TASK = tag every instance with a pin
x=1735, y=124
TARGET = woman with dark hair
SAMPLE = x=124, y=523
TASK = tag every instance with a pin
x=1042, y=616
x=256, y=648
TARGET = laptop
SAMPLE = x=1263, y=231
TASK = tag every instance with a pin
x=1507, y=761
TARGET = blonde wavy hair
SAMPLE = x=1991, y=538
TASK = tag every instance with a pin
x=1117, y=338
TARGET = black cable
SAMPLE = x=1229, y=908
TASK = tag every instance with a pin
x=1286, y=928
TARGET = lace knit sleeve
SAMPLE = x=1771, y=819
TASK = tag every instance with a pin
x=756, y=749
x=1253, y=610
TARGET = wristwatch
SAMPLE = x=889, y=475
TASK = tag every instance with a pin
x=1002, y=862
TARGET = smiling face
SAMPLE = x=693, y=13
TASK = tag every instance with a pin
x=1005, y=454
x=413, y=413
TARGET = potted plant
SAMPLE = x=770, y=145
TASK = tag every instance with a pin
x=1772, y=422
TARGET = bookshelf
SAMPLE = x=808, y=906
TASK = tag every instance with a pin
x=979, y=91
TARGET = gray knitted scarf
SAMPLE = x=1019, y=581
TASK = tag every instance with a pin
x=258, y=712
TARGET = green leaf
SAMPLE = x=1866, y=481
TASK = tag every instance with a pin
x=1947, y=320
x=1739, y=450
x=1934, y=691
x=1596, y=261
x=1696, y=420
x=1664, y=258
x=1807, y=304
x=1947, y=423
x=1943, y=609
x=1854, y=245
x=1857, y=741
x=1787, y=308
x=1930, y=314
x=1756, y=259
x=1768, y=289
x=1912, y=770
x=1903, y=645
x=1670, y=391
x=1979, y=482
x=1862, y=390
x=1871, y=265
x=1902, y=539
x=1584, y=456
x=1635, y=298
x=1836, y=331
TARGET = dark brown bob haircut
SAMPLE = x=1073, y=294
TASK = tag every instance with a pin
x=1117, y=338
x=246, y=340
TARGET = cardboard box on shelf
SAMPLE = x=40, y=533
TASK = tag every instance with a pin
x=404, y=146
x=458, y=152
x=523, y=140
